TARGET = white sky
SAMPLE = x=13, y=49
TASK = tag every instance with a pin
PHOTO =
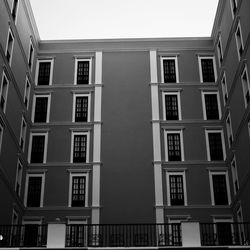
x=95, y=19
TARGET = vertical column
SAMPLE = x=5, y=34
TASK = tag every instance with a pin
x=156, y=138
x=97, y=140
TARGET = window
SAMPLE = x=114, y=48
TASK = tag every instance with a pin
x=215, y=145
x=235, y=175
x=245, y=85
x=81, y=108
x=83, y=71
x=211, y=105
x=174, y=150
x=80, y=147
x=239, y=41
x=207, y=69
x=32, y=233
x=169, y=70
x=14, y=9
x=176, y=189
x=229, y=130
x=14, y=218
x=34, y=190
x=77, y=232
x=38, y=147
x=19, y=174
x=171, y=106
x=78, y=190
x=41, y=108
x=26, y=93
x=220, y=51
x=233, y=7
x=224, y=89
x=220, y=194
x=4, y=92
x=31, y=55
x=1, y=136
x=23, y=134
x=9, y=47
x=44, y=72
x=224, y=231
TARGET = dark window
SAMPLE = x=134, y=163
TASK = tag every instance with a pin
x=171, y=103
x=76, y=235
x=80, y=148
x=34, y=191
x=215, y=146
x=78, y=191
x=83, y=72
x=37, y=151
x=169, y=71
x=44, y=73
x=31, y=235
x=224, y=232
x=207, y=67
x=239, y=41
x=31, y=56
x=220, y=189
x=234, y=5
x=81, y=109
x=211, y=104
x=41, y=109
x=174, y=147
x=176, y=190
x=14, y=9
x=9, y=47
x=4, y=93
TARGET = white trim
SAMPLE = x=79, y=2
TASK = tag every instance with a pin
x=71, y=175
x=245, y=84
x=27, y=92
x=32, y=134
x=239, y=42
x=48, y=106
x=23, y=132
x=51, y=60
x=76, y=67
x=207, y=131
x=200, y=69
x=27, y=185
x=74, y=105
x=12, y=45
x=231, y=4
x=19, y=177
x=32, y=56
x=183, y=174
x=72, y=145
x=153, y=67
x=180, y=132
x=225, y=173
x=176, y=67
x=203, y=93
x=219, y=51
x=229, y=130
x=4, y=76
x=234, y=174
x=224, y=88
x=177, y=93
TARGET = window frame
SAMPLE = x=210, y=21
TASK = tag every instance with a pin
x=245, y=85
x=229, y=128
x=18, y=178
x=176, y=68
x=36, y=96
x=14, y=10
x=4, y=76
x=23, y=133
x=76, y=69
x=26, y=95
x=10, y=33
x=39, y=60
x=220, y=51
x=233, y=11
x=74, y=106
x=224, y=88
x=235, y=178
x=214, y=67
x=239, y=42
x=31, y=56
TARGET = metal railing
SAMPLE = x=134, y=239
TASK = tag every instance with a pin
x=28, y=235
x=123, y=235
x=225, y=234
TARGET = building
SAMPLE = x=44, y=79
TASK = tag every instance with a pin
x=125, y=131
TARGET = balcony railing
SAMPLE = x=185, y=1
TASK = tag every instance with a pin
x=29, y=235
x=126, y=235
x=225, y=234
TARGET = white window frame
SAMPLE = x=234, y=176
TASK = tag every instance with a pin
x=245, y=84
x=74, y=105
x=220, y=51
x=183, y=174
x=200, y=68
x=229, y=130
x=177, y=93
x=19, y=178
x=234, y=174
x=207, y=131
x=27, y=185
x=33, y=134
x=73, y=174
x=203, y=93
x=7, y=89
x=76, y=67
x=31, y=60
x=27, y=93
x=72, y=145
x=223, y=220
x=48, y=96
x=176, y=68
x=211, y=173
x=239, y=43
x=224, y=88
x=51, y=60
x=231, y=4
x=23, y=132
x=177, y=131
x=12, y=9
x=10, y=33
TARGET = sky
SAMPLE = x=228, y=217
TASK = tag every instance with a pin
x=104, y=19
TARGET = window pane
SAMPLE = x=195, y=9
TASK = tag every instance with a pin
x=169, y=70
x=224, y=232
x=215, y=146
x=83, y=72
x=211, y=104
x=220, y=190
x=37, y=151
x=34, y=192
x=41, y=109
x=176, y=190
x=171, y=107
x=207, y=70
x=78, y=191
x=80, y=146
x=174, y=147
x=44, y=73
x=81, y=109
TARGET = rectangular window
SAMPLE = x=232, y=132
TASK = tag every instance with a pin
x=215, y=145
x=81, y=108
x=239, y=41
x=171, y=106
x=31, y=55
x=23, y=134
x=174, y=145
x=34, y=190
x=4, y=92
x=44, y=72
x=83, y=71
x=14, y=9
x=211, y=105
x=77, y=231
x=41, y=108
x=229, y=130
x=19, y=174
x=245, y=85
x=169, y=70
x=79, y=147
x=9, y=47
x=26, y=93
x=224, y=89
x=219, y=51
x=207, y=69
x=78, y=190
x=220, y=194
x=224, y=231
x=235, y=175
x=233, y=7
x=38, y=147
